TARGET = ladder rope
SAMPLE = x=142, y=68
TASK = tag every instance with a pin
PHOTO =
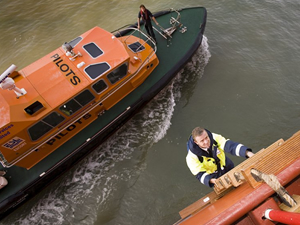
x=273, y=182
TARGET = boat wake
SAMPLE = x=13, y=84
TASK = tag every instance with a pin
x=93, y=186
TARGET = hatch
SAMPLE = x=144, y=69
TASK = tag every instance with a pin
x=136, y=47
x=93, y=50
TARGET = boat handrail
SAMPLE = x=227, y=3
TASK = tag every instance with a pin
x=124, y=30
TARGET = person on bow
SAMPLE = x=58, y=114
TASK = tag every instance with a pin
x=206, y=157
x=146, y=15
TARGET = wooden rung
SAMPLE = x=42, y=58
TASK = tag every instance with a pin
x=281, y=157
x=235, y=177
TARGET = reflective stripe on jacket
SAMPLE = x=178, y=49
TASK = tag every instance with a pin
x=212, y=163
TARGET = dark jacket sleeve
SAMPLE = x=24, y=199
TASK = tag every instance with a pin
x=149, y=14
x=204, y=178
x=235, y=148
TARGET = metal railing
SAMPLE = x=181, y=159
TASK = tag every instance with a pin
x=128, y=31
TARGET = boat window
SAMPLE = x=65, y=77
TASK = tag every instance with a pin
x=45, y=125
x=76, y=103
x=118, y=73
x=34, y=107
x=95, y=70
x=100, y=86
x=136, y=47
x=54, y=119
x=75, y=41
x=84, y=97
x=70, y=107
x=93, y=50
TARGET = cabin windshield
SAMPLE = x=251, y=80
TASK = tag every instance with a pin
x=96, y=70
x=118, y=73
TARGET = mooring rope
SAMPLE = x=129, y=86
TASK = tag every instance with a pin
x=273, y=182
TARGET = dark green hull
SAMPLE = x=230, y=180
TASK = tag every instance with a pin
x=173, y=56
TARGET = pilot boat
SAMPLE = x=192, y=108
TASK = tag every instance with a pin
x=58, y=109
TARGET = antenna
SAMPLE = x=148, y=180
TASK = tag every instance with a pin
x=7, y=83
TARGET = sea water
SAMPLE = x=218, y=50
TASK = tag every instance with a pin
x=243, y=83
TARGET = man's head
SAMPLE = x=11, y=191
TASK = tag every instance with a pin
x=142, y=7
x=201, y=138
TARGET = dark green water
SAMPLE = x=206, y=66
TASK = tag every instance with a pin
x=248, y=92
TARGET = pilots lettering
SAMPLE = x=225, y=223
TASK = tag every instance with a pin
x=69, y=73
x=68, y=129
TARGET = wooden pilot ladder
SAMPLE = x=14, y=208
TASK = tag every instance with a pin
x=270, y=160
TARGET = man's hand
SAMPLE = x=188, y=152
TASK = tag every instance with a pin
x=249, y=154
x=213, y=180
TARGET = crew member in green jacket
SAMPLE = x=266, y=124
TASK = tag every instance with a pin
x=206, y=155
